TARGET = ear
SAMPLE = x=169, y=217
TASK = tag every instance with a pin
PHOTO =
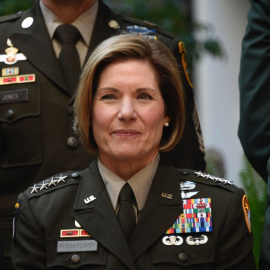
x=167, y=119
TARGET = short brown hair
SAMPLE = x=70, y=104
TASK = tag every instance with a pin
x=122, y=48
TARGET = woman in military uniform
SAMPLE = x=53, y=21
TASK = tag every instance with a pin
x=130, y=209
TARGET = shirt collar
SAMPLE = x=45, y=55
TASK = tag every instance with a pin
x=84, y=23
x=140, y=182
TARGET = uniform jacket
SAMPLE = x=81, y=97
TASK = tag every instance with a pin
x=36, y=136
x=254, y=83
x=43, y=214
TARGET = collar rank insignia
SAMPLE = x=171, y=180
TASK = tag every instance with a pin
x=196, y=217
x=90, y=199
x=213, y=178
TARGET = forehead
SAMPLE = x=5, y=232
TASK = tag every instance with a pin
x=131, y=66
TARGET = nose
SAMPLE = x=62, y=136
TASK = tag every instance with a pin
x=127, y=111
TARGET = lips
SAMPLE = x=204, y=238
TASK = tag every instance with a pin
x=126, y=133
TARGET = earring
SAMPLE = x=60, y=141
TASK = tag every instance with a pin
x=166, y=124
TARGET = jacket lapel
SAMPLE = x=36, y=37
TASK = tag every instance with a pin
x=98, y=217
x=102, y=30
x=159, y=212
x=41, y=50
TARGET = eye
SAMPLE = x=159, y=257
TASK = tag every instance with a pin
x=108, y=97
x=145, y=96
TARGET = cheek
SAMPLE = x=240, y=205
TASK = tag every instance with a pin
x=102, y=117
x=155, y=120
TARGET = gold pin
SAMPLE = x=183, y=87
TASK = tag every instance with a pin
x=114, y=24
x=166, y=195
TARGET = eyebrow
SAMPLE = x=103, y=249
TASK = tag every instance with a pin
x=137, y=90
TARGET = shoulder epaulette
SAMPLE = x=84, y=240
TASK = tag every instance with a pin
x=53, y=183
x=148, y=24
x=10, y=17
x=206, y=178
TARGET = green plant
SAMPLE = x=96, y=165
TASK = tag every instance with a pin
x=255, y=189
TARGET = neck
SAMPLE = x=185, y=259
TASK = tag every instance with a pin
x=126, y=168
x=68, y=10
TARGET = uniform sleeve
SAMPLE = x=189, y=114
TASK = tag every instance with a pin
x=191, y=142
x=254, y=84
x=235, y=243
x=28, y=250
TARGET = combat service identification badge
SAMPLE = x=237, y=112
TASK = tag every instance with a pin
x=247, y=212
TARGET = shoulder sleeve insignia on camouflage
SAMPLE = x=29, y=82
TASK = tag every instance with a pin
x=183, y=51
x=247, y=212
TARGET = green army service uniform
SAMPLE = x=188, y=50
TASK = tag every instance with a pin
x=254, y=83
x=36, y=136
x=190, y=220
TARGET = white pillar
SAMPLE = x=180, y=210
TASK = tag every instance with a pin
x=216, y=80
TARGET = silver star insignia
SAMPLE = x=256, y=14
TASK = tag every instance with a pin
x=199, y=174
x=61, y=179
x=52, y=182
x=34, y=189
x=43, y=186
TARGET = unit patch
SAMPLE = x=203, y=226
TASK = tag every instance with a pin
x=247, y=212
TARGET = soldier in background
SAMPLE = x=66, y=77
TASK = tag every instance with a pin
x=36, y=93
x=254, y=84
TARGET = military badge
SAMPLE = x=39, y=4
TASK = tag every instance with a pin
x=247, y=212
x=12, y=55
x=172, y=240
x=182, y=51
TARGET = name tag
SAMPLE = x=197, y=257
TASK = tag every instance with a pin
x=78, y=246
x=14, y=96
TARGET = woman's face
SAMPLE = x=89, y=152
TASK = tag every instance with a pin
x=128, y=113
